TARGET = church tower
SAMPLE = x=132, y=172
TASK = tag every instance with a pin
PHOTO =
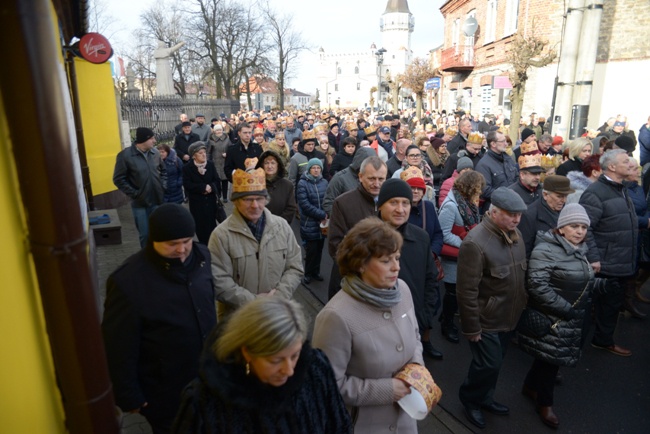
x=396, y=25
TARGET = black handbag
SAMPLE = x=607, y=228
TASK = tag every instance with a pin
x=533, y=323
x=221, y=212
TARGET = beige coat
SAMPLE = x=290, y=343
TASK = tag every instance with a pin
x=243, y=268
x=367, y=346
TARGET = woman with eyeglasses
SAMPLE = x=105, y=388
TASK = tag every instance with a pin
x=414, y=158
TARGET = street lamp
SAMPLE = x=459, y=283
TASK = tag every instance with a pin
x=380, y=59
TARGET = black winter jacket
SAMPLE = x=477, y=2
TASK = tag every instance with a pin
x=225, y=400
x=558, y=273
x=613, y=234
x=538, y=217
x=158, y=312
x=141, y=176
x=499, y=170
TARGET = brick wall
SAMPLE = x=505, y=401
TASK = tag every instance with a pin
x=624, y=30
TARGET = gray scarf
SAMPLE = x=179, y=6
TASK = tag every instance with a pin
x=360, y=290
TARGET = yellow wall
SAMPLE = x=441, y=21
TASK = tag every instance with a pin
x=100, y=122
x=29, y=399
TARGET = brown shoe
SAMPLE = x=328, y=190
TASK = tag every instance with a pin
x=614, y=349
x=548, y=417
x=530, y=393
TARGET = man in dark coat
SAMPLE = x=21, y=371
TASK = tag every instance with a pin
x=498, y=169
x=491, y=296
x=237, y=154
x=473, y=151
x=417, y=267
x=140, y=173
x=612, y=239
x=460, y=140
x=184, y=140
x=179, y=127
x=528, y=186
x=159, y=309
x=352, y=207
x=542, y=214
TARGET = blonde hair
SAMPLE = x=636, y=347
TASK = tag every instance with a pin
x=265, y=326
x=576, y=145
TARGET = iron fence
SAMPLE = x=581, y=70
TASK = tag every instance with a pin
x=161, y=114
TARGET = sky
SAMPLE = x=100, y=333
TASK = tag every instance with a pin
x=335, y=25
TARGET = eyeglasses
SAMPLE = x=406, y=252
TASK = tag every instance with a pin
x=250, y=200
x=414, y=156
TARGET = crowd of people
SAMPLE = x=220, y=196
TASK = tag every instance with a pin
x=425, y=219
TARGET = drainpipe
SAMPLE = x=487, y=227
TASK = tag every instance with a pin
x=35, y=86
x=586, y=63
x=567, y=66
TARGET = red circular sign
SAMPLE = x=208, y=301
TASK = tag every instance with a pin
x=95, y=48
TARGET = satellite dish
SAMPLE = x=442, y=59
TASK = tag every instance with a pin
x=470, y=26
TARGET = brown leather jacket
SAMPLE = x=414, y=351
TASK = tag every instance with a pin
x=491, y=278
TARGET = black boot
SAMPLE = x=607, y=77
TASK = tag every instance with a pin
x=449, y=308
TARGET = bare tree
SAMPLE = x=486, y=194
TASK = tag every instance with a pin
x=229, y=35
x=371, y=100
x=415, y=77
x=288, y=44
x=525, y=51
x=100, y=20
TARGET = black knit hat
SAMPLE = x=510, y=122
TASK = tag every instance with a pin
x=526, y=133
x=170, y=221
x=143, y=134
x=394, y=188
x=625, y=142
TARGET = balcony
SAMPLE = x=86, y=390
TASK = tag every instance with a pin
x=457, y=58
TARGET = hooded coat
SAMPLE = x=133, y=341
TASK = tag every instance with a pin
x=223, y=399
x=310, y=195
x=559, y=275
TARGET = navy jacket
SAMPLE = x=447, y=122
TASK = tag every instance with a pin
x=174, y=166
x=310, y=196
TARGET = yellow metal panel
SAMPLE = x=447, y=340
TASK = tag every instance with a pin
x=99, y=119
x=29, y=398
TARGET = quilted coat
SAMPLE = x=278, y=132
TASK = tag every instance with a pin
x=558, y=273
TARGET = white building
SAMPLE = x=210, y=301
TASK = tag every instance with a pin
x=346, y=78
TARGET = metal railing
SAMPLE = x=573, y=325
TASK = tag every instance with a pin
x=161, y=114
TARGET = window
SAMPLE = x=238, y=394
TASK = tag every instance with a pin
x=358, y=86
x=512, y=17
x=336, y=88
x=356, y=69
x=490, y=21
x=453, y=94
x=455, y=32
x=486, y=99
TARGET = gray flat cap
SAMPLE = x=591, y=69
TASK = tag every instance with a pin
x=508, y=200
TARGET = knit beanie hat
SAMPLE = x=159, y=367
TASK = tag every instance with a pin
x=625, y=142
x=314, y=162
x=436, y=143
x=573, y=213
x=464, y=163
x=526, y=132
x=170, y=221
x=142, y=134
x=394, y=188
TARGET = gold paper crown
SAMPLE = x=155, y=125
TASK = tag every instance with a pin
x=429, y=127
x=324, y=116
x=351, y=126
x=476, y=138
x=332, y=121
x=320, y=129
x=250, y=163
x=270, y=122
x=411, y=172
x=548, y=161
x=370, y=130
x=308, y=135
x=451, y=131
x=529, y=148
x=528, y=161
x=279, y=133
x=386, y=124
x=248, y=182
